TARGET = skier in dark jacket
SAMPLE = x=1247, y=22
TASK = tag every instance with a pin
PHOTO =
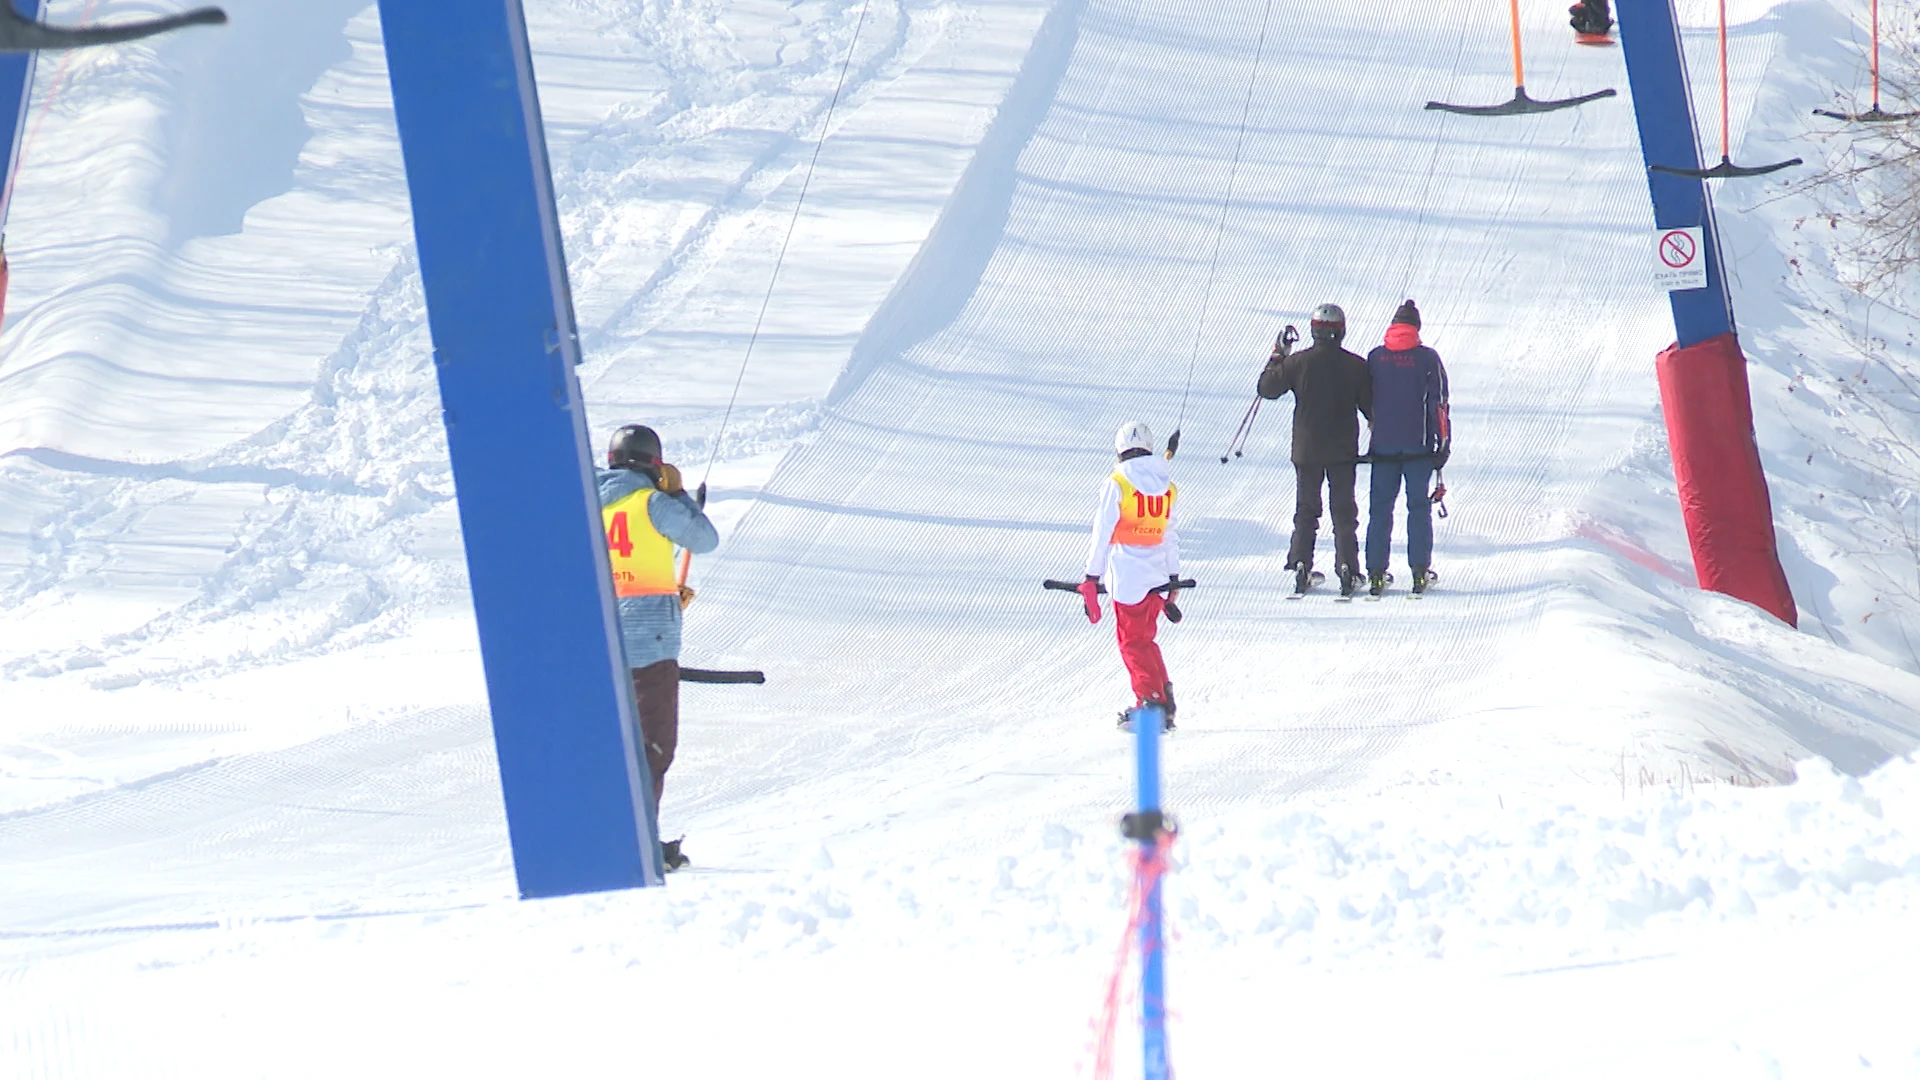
x=1329, y=386
x=1412, y=437
x=646, y=512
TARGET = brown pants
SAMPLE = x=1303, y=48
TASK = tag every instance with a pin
x=656, y=695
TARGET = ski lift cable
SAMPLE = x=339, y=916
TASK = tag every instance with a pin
x=1433, y=165
x=1874, y=115
x=1726, y=170
x=826, y=125
x=1226, y=203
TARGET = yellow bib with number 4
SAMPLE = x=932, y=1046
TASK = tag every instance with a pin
x=642, y=558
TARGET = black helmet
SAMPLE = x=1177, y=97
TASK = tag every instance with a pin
x=635, y=446
x=1329, y=324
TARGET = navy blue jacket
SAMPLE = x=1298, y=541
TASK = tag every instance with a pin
x=1409, y=398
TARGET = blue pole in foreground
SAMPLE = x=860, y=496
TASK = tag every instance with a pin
x=577, y=790
x=16, y=84
x=1663, y=110
x=1148, y=720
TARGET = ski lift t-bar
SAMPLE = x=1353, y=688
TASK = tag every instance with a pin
x=21, y=34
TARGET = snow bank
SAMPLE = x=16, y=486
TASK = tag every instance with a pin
x=1374, y=882
x=1342, y=918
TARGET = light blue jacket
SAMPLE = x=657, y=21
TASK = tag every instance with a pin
x=650, y=625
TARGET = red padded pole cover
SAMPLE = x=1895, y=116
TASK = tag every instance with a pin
x=1723, y=493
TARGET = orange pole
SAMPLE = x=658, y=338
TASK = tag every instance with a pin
x=1519, y=80
x=1876, y=55
x=1727, y=141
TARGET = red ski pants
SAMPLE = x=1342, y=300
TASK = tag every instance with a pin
x=1136, y=625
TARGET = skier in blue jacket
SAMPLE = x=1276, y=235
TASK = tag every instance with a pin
x=1412, y=438
x=646, y=512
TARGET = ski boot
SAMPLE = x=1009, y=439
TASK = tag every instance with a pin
x=1592, y=22
x=1349, y=582
x=1422, y=577
x=671, y=858
x=1166, y=715
x=1376, y=585
x=1302, y=579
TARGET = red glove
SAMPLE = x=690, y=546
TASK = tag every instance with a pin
x=1090, y=592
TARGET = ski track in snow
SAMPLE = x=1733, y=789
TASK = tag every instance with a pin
x=242, y=730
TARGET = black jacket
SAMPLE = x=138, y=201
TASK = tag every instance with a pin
x=1329, y=385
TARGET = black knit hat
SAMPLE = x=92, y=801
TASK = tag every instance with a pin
x=1408, y=314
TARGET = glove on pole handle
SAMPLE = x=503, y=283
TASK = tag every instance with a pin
x=1073, y=587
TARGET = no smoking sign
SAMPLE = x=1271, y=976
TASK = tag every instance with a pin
x=1680, y=261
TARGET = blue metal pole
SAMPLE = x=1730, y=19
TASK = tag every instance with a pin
x=1663, y=109
x=1147, y=723
x=579, y=808
x=16, y=84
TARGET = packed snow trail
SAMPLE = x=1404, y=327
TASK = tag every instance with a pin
x=887, y=576
x=249, y=790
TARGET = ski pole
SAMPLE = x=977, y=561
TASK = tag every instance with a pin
x=1239, y=439
x=686, y=557
x=1282, y=348
x=1440, y=492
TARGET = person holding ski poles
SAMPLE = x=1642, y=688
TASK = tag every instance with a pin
x=646, y=511
x=1136, y=550
x=1330, y=386
x=1412, y=439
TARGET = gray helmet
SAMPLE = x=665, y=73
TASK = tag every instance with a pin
x=1329, y=324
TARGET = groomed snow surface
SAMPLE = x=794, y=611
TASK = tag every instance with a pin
x=1568, y=816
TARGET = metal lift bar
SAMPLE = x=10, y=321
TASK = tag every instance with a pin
x=1521, y=105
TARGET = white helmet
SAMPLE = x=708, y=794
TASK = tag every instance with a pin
x=1133, y=435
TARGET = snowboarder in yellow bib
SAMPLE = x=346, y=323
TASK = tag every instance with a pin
x=1137, y=551
x=646, y=512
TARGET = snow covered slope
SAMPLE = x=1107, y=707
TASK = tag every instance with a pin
x=886, y=576
x=246, y=788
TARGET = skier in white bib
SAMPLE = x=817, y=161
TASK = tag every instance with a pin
x=1137, y=552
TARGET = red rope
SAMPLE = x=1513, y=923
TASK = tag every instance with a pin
x=46, y=106
x=1149, y=869
x=1876, y=55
